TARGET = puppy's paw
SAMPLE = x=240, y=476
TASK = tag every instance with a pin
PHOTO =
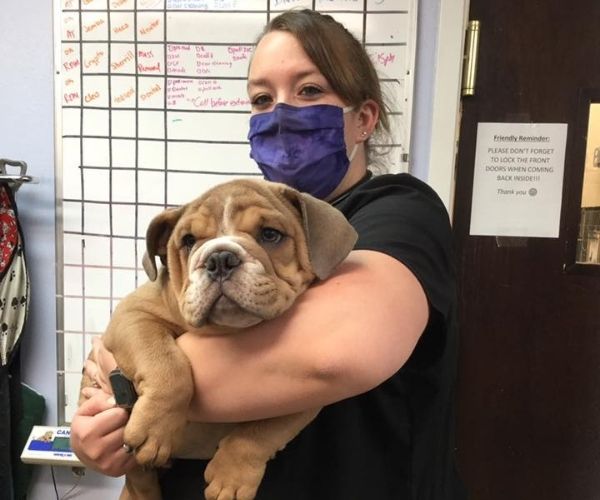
x=232, y=477
x=153, y=435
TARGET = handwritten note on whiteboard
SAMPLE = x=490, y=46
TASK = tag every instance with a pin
x=153, y=111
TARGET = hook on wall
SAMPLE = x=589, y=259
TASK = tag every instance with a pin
x=17, y=179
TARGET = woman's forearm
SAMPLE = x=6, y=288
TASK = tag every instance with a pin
x=341, y=338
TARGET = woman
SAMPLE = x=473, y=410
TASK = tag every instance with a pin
x=375, y=344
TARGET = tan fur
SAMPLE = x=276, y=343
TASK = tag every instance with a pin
x=181, y=298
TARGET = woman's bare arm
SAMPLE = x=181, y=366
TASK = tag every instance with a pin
x=343, y=337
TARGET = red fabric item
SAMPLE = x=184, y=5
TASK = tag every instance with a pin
x=9, y=235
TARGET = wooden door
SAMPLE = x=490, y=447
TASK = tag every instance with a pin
x=529, y=371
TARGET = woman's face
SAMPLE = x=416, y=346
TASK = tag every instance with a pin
x=281, y=72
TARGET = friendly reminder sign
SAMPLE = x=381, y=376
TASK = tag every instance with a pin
x=517, y=184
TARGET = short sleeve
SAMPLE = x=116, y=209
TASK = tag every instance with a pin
x=404, y=218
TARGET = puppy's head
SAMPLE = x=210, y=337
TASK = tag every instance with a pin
x=244, y=251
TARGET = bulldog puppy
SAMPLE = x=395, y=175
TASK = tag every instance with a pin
x=238, y=255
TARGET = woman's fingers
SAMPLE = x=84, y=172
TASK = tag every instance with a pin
x=119, y=461
x=104, y=363
x=89, y=392
x=97, y=435
x=97, y=428
x=99, y=365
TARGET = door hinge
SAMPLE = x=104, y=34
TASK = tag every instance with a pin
x=470, y=59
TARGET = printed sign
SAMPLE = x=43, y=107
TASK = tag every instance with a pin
x=50, y=446
x=518, y=179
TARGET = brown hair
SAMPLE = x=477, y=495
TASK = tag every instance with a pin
x=338, y=55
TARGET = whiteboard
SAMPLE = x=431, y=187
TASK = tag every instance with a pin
x=151, y=110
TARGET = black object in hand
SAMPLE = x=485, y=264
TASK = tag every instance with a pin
x=123, y=389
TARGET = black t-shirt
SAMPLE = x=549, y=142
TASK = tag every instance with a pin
x=395, y=441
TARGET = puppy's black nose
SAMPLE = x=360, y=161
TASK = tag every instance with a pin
x=220, y=265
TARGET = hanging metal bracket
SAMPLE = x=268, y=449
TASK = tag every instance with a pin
x=470, y=61
x=15, y=180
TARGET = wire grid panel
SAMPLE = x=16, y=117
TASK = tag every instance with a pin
x=152, y=111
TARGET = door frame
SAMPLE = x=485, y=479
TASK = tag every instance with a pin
x=445, y=126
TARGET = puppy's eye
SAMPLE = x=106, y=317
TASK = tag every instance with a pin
x=188, y=241
x=270, y=235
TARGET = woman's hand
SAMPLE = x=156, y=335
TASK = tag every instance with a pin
x=100, y=364
x=98, y=425
x=97, y=434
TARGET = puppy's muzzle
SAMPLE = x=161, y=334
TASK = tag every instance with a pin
x=220, y=264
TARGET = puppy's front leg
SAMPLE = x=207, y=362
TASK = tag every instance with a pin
x=141, y=484
x=236, y=470
x=147, y=353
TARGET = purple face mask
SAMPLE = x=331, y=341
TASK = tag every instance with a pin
x=302, y=147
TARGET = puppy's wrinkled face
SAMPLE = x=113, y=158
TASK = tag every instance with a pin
x=238, y=256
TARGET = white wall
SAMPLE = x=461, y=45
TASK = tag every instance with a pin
x=27, y=133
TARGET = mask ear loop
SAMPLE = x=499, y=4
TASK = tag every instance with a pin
x=352, y=154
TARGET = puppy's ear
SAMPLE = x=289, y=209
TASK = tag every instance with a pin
x=329, y=236
x=157, y=236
